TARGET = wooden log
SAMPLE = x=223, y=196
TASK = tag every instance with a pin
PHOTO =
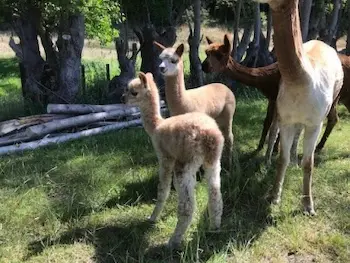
x=9, y=126
x=66, y=137
x=85, y=108
x=43, y=129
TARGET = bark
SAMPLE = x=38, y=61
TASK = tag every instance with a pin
x=331, y=31
x=194, y=40
x=254, y=46
x=9, y=126
x=86, y=108
x=243, y=44
x=28, y=53
x=70, y=45
x=305, y=18
x=43, y=129
x=236, y=28
x=317, y=15
x=149, y=53
x=347, y=50
x=118, y=83
x=67, y=137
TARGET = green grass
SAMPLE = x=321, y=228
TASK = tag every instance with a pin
x=88, y=200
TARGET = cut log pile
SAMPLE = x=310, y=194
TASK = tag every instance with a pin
x=66, y=122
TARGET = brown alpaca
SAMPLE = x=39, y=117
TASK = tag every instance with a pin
x=182, y=143
x=266, y=79
x=311, y=79
x=214, y=99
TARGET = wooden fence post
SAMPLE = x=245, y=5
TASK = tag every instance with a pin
x=108, y=73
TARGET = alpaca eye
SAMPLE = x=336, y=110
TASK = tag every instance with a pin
x=134, y=93
x=173, y=60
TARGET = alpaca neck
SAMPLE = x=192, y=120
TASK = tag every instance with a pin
x=288, y=40
x=175, y=87
x=150, y=112
x=255, y=77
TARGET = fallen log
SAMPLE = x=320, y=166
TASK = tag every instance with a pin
x=86, y=108
x=56, y=139
x=9, y=126
x=43, y=129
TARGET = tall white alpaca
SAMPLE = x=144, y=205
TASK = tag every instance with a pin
x=182, y=143
x=214, y=99
x=311, y=77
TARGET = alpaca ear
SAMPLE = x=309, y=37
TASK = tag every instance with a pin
x=160, y=46
x=180, y=50
x=143, y=78
x=208, y=40
x=227, y=45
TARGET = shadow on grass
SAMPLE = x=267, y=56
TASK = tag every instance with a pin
x=9, y=68
x=73, y=172
x=246, y=215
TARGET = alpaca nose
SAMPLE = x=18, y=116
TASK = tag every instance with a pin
x=162, y=67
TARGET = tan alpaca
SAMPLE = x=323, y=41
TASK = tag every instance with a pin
x=214, y=99
x=182, y=143
x=311, y=78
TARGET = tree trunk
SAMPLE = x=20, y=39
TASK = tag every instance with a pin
x=347, y=50
x=117, y=85
x=236, y=28
x=305, y=18
x=70, y=45
x=269, y=29
x=317, y=15
x=254, y=47
x=243, y=44
x=150, y=53
x=331, y=30
x=28, y=53
x=194, y=42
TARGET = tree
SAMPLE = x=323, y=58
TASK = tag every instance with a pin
x=305, y=9
x=57, y=78
x=194, y=40
x=154, y=21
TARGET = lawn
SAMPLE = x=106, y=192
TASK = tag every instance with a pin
x=88, y=200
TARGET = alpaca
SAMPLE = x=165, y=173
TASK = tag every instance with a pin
x=266, y=79
x=311, y=79
x=182, y=143
x=214, y=99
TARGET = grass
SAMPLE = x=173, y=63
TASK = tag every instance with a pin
x=88, y=200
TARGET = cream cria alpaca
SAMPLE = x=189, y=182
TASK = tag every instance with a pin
x=182, y=143
x=311, y=77
x=214, y=99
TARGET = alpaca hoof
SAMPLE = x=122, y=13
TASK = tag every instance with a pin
x=214, y=226
x=308, y=211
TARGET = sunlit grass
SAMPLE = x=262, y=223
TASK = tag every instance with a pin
x=88, y=200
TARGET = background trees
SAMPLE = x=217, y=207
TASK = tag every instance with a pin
x=60, y=26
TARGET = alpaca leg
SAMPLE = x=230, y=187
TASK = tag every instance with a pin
x=333, y=118
x=215, y=204
x=310, y=138
x=287, y=133
x=186, y=203
x=228, y=135
x=294, y=149
x=165, y=176
x=267, y=123
x=272, y=140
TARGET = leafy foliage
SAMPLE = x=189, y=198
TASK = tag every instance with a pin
x=99, y=14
